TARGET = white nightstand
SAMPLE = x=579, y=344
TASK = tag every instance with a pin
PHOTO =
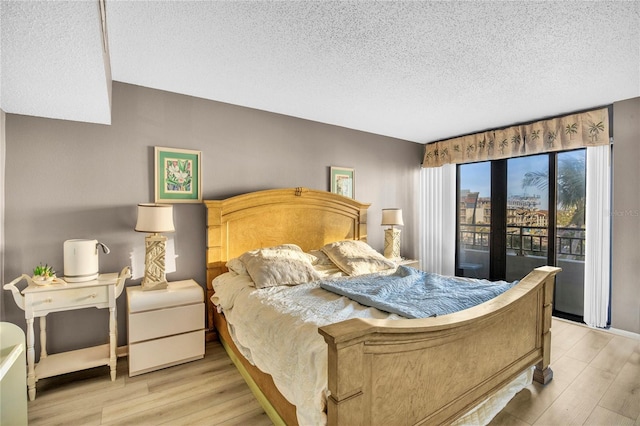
x=38, y=301
x=165, y=327
x=409, y=262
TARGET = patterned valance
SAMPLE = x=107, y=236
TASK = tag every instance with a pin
x=556, y=134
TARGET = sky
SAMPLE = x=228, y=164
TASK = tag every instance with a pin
x=516, y=169
x=476, y=177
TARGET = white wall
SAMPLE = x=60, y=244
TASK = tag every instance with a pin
x=625, y=256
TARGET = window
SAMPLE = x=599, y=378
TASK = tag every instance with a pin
x=520, y=213
x=474, y=219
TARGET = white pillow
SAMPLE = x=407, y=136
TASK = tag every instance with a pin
x=236, y=265
x=281, y=265
x=319, y=258
x=357, y=257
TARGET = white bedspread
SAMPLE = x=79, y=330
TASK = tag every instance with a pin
x=272, y=341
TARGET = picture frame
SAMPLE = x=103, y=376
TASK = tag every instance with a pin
x=178, y=175
x=343, y=181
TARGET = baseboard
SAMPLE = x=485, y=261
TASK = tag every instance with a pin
x=122, y=351
x=624, y=333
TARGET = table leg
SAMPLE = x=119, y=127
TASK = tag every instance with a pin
x=31, y=358
x=113, y=360
x=43, y=337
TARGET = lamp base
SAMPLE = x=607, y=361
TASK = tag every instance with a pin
x=146, y=286
x=154, y=275
x=392, y=243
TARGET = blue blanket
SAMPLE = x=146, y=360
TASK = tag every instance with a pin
x=417, y=294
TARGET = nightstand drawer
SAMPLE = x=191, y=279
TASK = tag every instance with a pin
x=165, y=322
x=160, y=353
x=166, y=327
x=75, y=298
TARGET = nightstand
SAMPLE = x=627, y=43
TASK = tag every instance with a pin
x=165, y=327
x=38, y=301
x=414, y=263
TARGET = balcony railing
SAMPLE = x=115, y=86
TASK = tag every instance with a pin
x=528, y=240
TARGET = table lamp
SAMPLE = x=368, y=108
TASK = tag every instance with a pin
x=392, y=217
x=155, y=218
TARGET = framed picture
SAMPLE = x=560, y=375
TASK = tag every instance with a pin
x=177, y=175
x=343, y=181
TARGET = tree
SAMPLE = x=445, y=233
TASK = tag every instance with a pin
x=571, y=186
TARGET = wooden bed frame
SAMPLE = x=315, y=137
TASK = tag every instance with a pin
x=430, y=370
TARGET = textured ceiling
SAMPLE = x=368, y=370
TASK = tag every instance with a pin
x=52, y=60
x=419, y=71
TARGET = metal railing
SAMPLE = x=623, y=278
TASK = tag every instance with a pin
x=528, y=240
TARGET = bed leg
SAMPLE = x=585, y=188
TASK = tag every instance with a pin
x=542, y=375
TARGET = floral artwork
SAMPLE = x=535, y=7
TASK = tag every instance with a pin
x=343, y=181
x=177, y=175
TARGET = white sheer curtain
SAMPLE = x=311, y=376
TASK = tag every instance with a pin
x=438, y=219
x=598, y=237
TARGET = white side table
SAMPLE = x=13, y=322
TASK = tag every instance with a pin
x=165, y=327
x=410, y=262
x=38, y=301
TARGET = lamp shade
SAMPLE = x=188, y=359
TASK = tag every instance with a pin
x=392, y=217
x=155, y=218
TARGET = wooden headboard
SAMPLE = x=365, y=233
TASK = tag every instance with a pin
x=302, y=216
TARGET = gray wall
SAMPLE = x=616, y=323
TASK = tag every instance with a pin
x=75, y=180
x=2, y=163
x=625, y=287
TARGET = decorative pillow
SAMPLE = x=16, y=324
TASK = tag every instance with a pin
x=280, y=265
x=356, y=257
x=236, y=265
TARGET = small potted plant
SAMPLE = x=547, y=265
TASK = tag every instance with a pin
x=43, y=274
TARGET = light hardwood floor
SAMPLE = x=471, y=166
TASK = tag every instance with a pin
x=596, y=382
x=203, y=392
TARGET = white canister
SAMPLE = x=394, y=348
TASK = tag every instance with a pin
x=81, y=260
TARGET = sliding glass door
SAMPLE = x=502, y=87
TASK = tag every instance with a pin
x=527, y=215
x=520, y=213
x=570, y=233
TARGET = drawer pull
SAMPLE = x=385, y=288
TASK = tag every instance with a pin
x=93, y=296
x=48, y=300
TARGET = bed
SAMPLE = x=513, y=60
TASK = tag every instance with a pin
x=382, y=371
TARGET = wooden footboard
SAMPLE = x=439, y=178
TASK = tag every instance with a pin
x=434, y=370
